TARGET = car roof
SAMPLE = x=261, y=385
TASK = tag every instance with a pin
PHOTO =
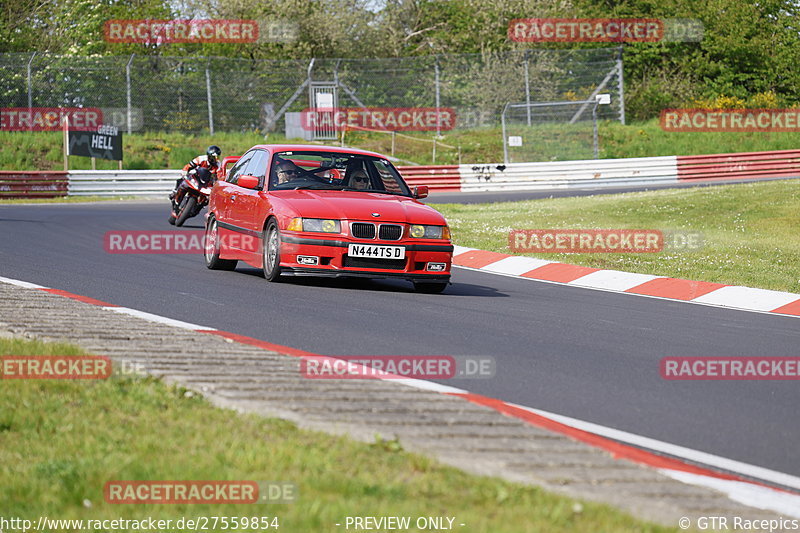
x=316, y=147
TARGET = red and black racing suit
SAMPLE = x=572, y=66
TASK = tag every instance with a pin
x=199, y=161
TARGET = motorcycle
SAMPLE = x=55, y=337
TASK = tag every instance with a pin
x=197, y=185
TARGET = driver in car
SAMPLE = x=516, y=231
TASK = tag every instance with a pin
x=359, y=180
x=287, y=171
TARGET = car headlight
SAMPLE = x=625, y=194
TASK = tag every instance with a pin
x=319, y=225
x=419, y=231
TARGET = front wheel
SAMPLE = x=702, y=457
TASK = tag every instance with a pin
x=211, y=248
x=430, y=287
x=187, y=209
x=271, y=255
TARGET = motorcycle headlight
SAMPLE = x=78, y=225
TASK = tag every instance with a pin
x=322, y=225
x=418, y=231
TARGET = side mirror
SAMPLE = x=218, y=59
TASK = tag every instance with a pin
x=421, y=191
x=248, y=182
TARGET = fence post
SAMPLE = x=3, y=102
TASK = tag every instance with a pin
x=65, y=140
x=208, y=97
x=128, y=87
x=527, y=87
x=503, y=124
x=438, y=126
x=394, y=134
x=621, y=87
x=434, y=150
x=30, y=90
x=594, y=130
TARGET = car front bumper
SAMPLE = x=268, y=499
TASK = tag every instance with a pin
x=334, y=261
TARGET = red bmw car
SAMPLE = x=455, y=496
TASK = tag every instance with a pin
x=325, y=211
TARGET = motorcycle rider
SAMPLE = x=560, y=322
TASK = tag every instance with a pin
x=210, y=161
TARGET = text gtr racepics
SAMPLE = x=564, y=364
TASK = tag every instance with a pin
x=325, y=211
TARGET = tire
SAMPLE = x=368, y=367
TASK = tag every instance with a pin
x=435, y=287
x=211, y=249
x=187, y=208
x=271, y=251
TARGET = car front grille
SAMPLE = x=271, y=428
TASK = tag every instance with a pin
x=390, y=232
x=362, y=230
x=368, y=262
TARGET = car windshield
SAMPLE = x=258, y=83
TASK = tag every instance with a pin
x=321, y=170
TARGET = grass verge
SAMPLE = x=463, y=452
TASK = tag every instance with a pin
x=63, y=440
x=750, y=230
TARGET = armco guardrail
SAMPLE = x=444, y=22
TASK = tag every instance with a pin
x=122, y=182
x=595, y=173
x=33, y=184
x=749, y=165
x=438, y=178
x=568, y=174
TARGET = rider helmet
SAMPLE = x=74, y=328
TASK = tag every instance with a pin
x=213, y=152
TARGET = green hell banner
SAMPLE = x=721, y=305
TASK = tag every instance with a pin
x=103, y=143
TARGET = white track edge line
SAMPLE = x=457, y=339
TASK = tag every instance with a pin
x=696, y=456
x=23, y=284
x=158, y=318
x=748, y=494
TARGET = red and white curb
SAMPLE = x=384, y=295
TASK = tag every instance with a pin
x=696, y=292
x=741, y=482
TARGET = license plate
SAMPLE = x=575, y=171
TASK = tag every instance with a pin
x=376, y=252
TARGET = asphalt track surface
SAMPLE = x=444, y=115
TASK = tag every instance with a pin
x=588, y=354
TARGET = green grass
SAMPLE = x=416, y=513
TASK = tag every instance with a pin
x=750, y=230
x=646, y=139
x=61, y=441
x=156, y=150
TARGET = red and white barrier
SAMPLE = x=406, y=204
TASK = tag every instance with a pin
x=748, y=165
x=569, y=174
x=600, y=173
x=701, y=292
x=438, y=178
x=33, y=184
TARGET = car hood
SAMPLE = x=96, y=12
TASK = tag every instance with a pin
x=352, y=205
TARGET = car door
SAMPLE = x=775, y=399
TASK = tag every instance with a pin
x=225, y=195
x=245, y=202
